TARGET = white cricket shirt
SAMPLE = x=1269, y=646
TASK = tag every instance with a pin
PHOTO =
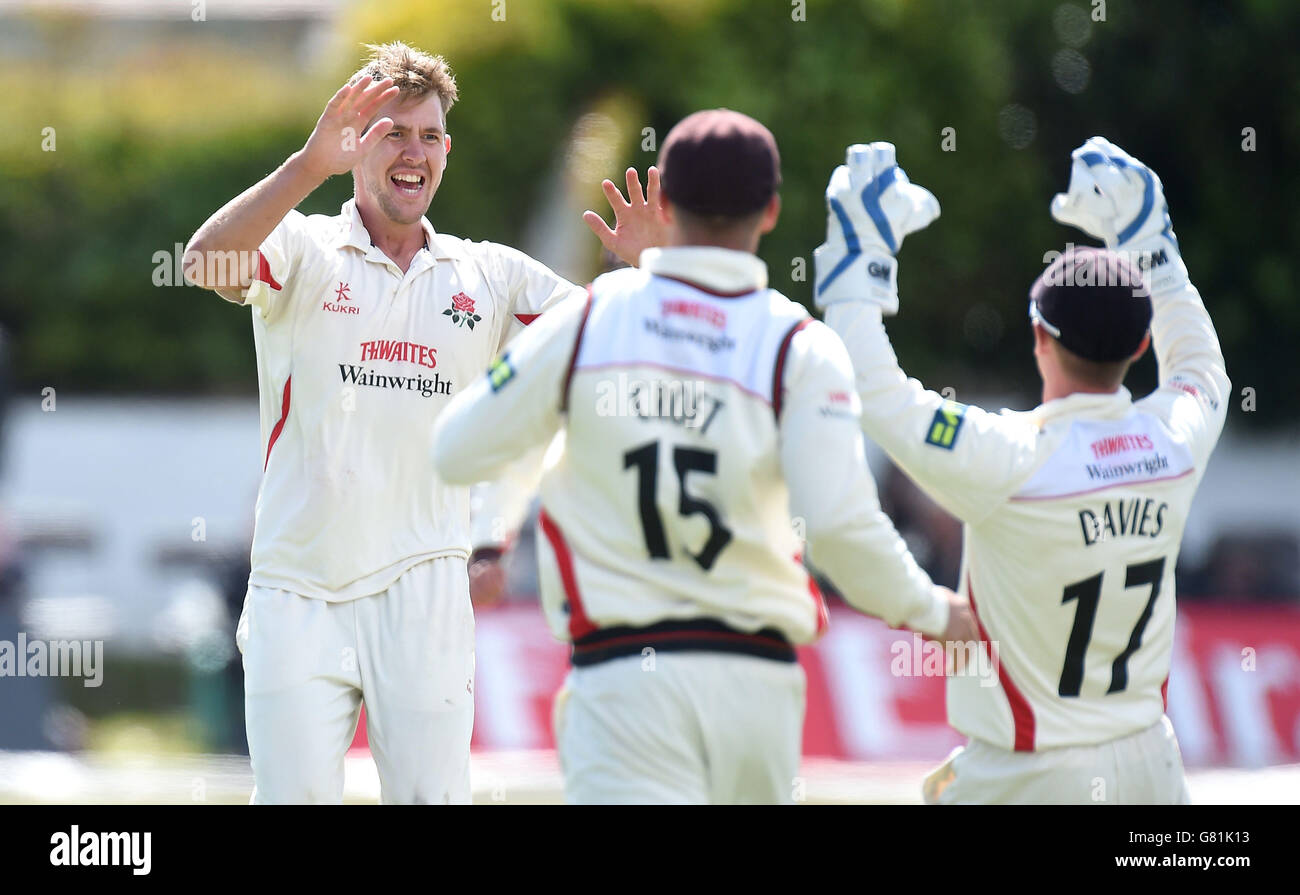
x=708, y=423
x=355, y=361
x=1073, y=513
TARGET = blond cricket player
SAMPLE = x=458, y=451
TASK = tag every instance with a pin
x=1074, y=510
x=366, y=324
x=704, y=420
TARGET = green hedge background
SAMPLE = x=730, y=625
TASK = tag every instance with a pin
x=147, y=148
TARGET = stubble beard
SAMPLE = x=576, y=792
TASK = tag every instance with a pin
x=388, y=203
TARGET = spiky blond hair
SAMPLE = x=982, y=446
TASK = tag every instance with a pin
x=414, y=72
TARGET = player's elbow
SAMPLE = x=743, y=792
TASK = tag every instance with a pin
x=192, y=266
x=220, y=269
x=1223, y=381
x=821, y=531
x=855, y=532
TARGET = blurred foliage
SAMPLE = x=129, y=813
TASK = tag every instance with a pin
x=146, y=151
x=144, y=733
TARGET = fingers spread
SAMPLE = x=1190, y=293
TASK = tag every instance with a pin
x=598, y=226
x=372, y=87
x=634, y=194
x=374, y=96
x=361, y=100
x=340, y=96
x=381, y=98
x=615, y=198
x=652, y=186
x=376, y=132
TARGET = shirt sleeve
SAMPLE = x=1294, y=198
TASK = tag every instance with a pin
x=529, y=286
x=278, y=261
x=498, y=507
x=966, y=459
x=823, y=459
x=513, y=409
x=1194, y=387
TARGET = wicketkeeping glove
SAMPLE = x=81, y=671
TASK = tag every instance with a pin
x=1117, y=199
x=871, y=207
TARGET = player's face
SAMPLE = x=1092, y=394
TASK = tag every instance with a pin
x=400, y=177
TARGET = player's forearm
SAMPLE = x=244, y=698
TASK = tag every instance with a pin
x=458, y=462
x=889, y=398
x=831, y=490
x=496, y=421
x=499, y=506
x=243, y=224
x=869, y=563
x=514, y=408
x=1185, y=342
x=472, y=442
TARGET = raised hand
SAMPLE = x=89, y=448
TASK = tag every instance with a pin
x=637, y=224
x=871, y=207
x=1117, y=199
x=337, y=144
x=1112, y=196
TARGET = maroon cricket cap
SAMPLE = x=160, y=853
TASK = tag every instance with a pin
x=719, y=162
x=1094, y=302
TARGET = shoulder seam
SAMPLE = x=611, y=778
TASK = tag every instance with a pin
x=577, y=345
x=778, y=371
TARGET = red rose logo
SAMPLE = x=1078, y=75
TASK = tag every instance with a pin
x=461, y=311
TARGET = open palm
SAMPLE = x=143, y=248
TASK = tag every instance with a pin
x=637, y=224
x=337, y=144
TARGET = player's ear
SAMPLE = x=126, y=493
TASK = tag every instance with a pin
x=770, y=214
x=1042, y=341
x=446, y=144
x=1142, y=349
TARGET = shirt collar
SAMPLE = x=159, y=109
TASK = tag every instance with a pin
x=724, y=272
x=1110, y=405
x=359, y=237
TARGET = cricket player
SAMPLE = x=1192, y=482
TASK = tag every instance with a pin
x=704, y=417
x=366, y=324
x=1074, y=510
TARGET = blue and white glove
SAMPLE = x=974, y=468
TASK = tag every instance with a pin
x=871, y=207
x=1117, y=199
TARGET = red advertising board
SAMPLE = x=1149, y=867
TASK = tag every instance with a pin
x=1234, y=688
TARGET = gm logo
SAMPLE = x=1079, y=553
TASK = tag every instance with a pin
x=946, y=424
x=879, y=271
x=1148, y=260
x=501, y=372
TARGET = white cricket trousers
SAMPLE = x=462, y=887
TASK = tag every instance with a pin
x=407, y=651
x=681, y=728
x=1143, y=768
